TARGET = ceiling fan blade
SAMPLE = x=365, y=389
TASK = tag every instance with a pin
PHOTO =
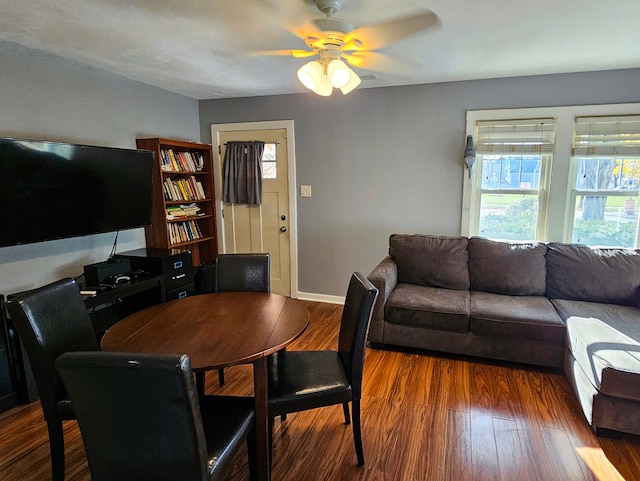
x=303, y=53
x=281, y=53
x=379, y=62
x=300, y=29
x=376, y=36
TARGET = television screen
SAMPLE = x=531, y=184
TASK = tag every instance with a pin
x=52, y=190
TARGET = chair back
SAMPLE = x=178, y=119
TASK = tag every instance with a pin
x=50, y=321
x=243, y=272
x=139, y=415
x=356, y=316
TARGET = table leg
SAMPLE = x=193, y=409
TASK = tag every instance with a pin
x=261, y=386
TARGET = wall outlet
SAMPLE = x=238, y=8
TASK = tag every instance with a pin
x=305, y=191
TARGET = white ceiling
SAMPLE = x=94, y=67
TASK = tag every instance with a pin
x=202, y=48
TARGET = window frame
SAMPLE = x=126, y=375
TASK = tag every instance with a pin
x=541, y=192
x=556, y=223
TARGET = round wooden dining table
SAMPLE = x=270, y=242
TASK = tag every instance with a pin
x=216, y=331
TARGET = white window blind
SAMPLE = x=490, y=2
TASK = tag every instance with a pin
x=530, y=136
x=607, y=137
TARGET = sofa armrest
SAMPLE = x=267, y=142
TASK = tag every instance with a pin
x=385, y=277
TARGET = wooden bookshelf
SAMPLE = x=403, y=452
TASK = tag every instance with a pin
x=183, y=176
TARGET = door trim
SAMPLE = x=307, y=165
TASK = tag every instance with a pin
x=287, y=125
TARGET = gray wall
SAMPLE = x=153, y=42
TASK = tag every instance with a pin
x=389, y=160
x=46, y=97
x=379, y=160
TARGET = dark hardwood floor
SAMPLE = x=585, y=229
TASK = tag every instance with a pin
x=425, y=417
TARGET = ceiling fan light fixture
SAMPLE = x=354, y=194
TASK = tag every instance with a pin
x=310, y=74
x=323, y=86
x=354, y=81
x=339, y=74
x=322, y=77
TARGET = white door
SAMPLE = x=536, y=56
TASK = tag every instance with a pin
x=263, y=228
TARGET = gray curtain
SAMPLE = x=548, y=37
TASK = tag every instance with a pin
x=242, y=173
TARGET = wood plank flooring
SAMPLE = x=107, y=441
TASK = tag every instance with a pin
x=426, y=417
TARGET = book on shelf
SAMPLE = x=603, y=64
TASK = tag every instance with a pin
x=188, y=159
x=178, y=211
x=183, y=189
x=171, y=161
x=186, y=231
x=165, y=162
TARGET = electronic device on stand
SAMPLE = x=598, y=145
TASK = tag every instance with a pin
x=174, y=265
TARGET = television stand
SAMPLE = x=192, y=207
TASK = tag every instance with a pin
x=110, y=305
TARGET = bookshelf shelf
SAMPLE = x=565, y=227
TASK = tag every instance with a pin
x=179, y=219
x=180, y=202
x=182, y=179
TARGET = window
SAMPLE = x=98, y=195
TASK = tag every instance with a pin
x=563, y=174
x=269, y=166
x=604, y=197
x=513, y=157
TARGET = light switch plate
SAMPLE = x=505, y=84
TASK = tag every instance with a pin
x=305, y=191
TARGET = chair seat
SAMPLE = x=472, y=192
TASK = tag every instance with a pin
x=301, y=380
x=227, y=421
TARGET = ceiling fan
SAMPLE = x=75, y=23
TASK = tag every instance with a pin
x=336, y=41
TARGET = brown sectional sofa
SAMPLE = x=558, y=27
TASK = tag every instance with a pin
x=556, y=305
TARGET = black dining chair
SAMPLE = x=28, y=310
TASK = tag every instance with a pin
x=50, y=321
x=242, y=272
x=141, y=418
x=302, y=380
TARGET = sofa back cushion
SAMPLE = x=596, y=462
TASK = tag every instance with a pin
x=580, y=273
x=433, y=261
x=514, y=269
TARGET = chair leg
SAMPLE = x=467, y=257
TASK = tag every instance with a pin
x=345, y=408
x=200, y=382
x=56, y=444
x=253, y=455
x=357, y=435
x=270, y=442
x=221, y=376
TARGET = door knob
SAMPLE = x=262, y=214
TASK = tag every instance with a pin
x=283, y=217
x=283, y=229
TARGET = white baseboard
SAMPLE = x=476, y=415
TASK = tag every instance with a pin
x=307, y=296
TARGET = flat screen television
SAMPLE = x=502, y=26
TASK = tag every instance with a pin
x=51, y=190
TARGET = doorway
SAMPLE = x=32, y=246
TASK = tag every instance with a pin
x=271, y=226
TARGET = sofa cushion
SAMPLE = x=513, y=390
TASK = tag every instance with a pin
x=434, y=261
x=604, y=340
x=428, y=307
x=524, y=317
x=580, y=273
x=515, y=269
